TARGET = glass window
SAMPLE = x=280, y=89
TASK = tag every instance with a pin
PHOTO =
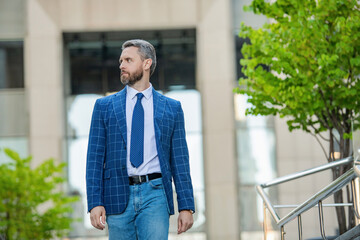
x=11, y=64
x=13, y=113
x=248, y=18
x=255, y=137
x=238, y=45
x=239, y=42
x=94, y=59
x=14, y=122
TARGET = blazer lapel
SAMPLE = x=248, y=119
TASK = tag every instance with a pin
x=119, y=104
x=159, y=108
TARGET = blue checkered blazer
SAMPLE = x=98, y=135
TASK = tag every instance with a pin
x=107, y=181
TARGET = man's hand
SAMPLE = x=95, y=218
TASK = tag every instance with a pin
x=185, y=221
x=95, y=214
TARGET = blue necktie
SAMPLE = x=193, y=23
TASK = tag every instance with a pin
x=137, y=133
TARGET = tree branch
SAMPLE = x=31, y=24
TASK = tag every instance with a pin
x=331, y=114
x=321, y=136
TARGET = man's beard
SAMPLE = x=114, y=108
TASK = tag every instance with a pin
x=131, y=79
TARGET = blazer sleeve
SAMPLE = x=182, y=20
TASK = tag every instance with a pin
x=95, y=158
x=180, y=164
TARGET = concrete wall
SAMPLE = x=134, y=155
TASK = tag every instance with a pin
x=12, y=19
x=80, y=15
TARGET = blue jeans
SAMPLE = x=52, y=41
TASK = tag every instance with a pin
x=146, y=216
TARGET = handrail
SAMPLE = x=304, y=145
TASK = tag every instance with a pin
x=268, y=204
x=316, y=199
x=324, y=205
x=307, y=172
x=333, y=187
x=260, y=188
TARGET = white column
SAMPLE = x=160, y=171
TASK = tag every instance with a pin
x=216, y=77
x=43, y=80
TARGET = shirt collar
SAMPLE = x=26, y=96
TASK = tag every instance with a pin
x=131, y=92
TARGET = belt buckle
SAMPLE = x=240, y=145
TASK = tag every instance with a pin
x=139, y=177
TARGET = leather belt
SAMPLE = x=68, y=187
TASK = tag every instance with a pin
x=143, y=178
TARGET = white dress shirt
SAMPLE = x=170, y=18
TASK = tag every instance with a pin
x=151, y=162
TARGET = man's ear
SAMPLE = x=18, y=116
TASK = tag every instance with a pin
x=147, y=63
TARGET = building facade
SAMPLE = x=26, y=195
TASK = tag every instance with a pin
x=58, y=56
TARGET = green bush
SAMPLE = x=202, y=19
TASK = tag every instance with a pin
x=32, y=206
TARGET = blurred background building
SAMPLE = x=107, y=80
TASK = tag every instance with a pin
x=58, y=56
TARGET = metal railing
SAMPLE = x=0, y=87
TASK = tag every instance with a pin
x=351, y=176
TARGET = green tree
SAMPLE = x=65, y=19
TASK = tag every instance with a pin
x=31, y=203
x=312, y=48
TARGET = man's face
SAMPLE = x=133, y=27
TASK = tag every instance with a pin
x=131, y=66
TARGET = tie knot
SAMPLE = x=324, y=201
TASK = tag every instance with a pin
x=139, y=96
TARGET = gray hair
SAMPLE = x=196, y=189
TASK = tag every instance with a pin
x=146, y=51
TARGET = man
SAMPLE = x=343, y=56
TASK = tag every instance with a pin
x=136, y=147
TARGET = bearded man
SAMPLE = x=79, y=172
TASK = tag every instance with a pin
x=137, y=147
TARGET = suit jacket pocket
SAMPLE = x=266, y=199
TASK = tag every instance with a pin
x=108, y=184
